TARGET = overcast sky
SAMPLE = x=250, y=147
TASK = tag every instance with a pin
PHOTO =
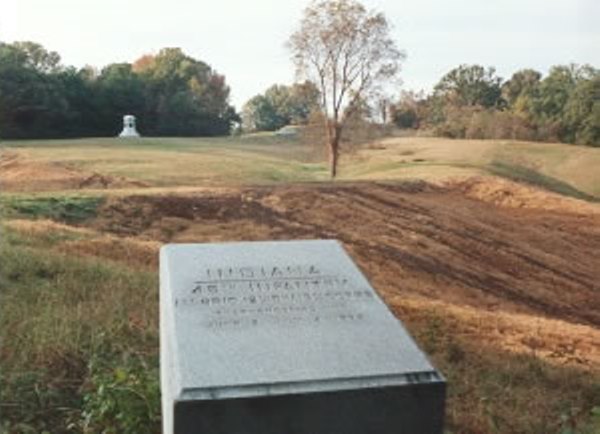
x=244, y=39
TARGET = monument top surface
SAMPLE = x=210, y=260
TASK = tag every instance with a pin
x=264, y=318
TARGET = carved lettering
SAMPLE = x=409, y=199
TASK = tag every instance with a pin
x=250, y=296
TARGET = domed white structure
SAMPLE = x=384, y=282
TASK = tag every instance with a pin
x=129, y=127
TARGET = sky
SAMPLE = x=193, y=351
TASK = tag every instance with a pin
x=245, y=39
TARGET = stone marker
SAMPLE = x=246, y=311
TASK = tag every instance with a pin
x=285, y=338
x=129, y=127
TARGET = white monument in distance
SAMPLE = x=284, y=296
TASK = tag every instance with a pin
x=129, y=127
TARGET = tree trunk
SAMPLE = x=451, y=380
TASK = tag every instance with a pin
x=334, y=135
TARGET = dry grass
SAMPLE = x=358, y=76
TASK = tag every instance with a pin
x=558, y=343
x=492, y=390
x=167, y=162
x=438, y=159
x=154, y=162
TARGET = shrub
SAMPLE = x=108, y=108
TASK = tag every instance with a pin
x=122, y=398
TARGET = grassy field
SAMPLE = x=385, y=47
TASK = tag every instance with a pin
x=179, y=162
x=497, y=282
x=260, y=159
x=547, y=165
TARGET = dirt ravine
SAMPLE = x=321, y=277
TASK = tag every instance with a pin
x=412, y=240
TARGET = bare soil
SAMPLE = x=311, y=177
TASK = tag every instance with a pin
x=519, y=278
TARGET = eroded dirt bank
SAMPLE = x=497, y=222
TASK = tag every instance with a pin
x=413, y=239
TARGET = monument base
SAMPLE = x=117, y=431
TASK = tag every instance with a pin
x=129, y=134
x=407, y=409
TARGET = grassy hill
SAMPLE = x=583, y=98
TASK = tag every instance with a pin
x=260, y=159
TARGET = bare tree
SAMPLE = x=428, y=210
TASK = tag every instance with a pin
x=347, y=51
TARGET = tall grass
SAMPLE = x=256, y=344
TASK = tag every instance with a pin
x=67, y=325
x=494, y=391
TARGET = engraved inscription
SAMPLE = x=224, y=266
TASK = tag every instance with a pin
x=250, y=296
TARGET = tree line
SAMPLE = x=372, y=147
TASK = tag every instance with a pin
x=171, y=94
x=470, y=102
x=473, y=102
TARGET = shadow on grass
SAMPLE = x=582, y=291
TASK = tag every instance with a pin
x=529, y=176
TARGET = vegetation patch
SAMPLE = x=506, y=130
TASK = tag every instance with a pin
x=67, y=209
x=79, y=343
x=122, y=395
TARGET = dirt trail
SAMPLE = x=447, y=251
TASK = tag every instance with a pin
x=413, y=239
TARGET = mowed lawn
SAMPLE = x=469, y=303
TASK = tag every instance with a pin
x=266, y=158
x=169, y=162
x=544, y=164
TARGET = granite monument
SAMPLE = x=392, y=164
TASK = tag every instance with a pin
x=286, y=338
x=129, y=129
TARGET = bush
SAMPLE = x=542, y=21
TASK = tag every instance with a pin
x=488, y=124
x=122, y=398
x=405, y=117
x=67, y=209
x=480, y=123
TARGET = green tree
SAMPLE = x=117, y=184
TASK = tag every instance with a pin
x=523, y=83
x=470, y=85
x=549, y=106
x=259, y=114
x=171, y=93
x=554, y=93
x=79, y=115
x=30, y=96
x=410, y=111
x=185, y=95
x=582, y=111
x=119, y=91
x=302, y=101
x=37, y=57
x=521, y=91
x=280, y=105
